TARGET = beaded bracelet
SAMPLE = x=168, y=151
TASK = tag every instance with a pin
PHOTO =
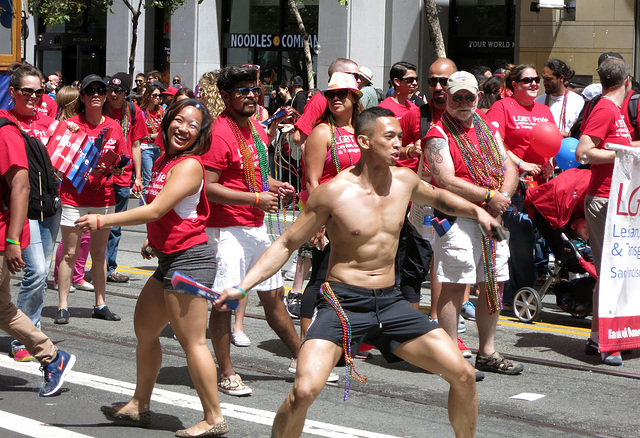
x=98, y=220
x=244, y=294
x=15, y=242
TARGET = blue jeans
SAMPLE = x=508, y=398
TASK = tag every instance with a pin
x=122, y=202
x=522, y=246
x=149, y=156
x=37, y=257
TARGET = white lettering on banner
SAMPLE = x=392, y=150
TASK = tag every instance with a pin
x=475, y=44
x=619, y=308
x=247, y=40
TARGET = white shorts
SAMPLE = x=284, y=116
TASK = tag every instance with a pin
x=71, y=213
x=237, y=250
x=458, y=255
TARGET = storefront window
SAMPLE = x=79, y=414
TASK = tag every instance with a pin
x=482, y=33
x=265, y=32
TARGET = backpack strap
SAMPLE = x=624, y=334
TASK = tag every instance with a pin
x=633, y=115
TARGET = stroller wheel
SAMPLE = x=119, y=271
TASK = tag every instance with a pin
x=527, y=305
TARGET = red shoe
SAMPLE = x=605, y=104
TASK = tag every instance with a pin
x=22, y=355
x=466, y=352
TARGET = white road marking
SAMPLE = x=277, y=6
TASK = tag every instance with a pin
x=33, y=428
x=258, y=416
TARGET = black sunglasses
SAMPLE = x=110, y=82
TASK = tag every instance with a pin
x=410, y=79
x=468, y=97
x=340, y=94
x=28, y=92
x=117, y=90
x=244, y=92
x=435, y=81
x=102, y=91
x=528, y=80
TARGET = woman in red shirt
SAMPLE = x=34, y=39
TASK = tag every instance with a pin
x=175, y=215
x=153, y=112
x=96, y=197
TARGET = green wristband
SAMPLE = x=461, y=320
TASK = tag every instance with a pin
x=15, y=242
x=244, y=294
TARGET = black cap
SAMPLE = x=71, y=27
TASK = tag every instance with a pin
x=90, y=79
x=121, y=79
x=608, y=55
x=159, y=85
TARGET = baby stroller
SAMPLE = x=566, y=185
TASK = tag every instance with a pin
x=551, y=206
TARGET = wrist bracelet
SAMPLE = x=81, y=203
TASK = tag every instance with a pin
x=98, y=220
x=519, y=163
x=15, y=242
x=406, y=152
x=244, y=294
x=257, y=199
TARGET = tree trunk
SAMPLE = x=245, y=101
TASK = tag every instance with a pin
x=435, y=33
x=135, y=17
x=305, y=42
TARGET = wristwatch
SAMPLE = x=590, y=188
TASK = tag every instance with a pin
x=506, y=195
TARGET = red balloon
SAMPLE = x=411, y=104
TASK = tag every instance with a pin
x=546, y=139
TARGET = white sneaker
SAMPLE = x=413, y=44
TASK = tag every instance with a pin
x=84, y=285
x=333, y=377
x=240, y=339
x=461, y=327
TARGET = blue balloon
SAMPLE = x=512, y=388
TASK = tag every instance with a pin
x=566, y=158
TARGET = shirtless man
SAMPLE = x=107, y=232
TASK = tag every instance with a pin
x=363, y=209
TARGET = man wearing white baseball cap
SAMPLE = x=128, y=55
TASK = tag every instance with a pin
x=369, y=96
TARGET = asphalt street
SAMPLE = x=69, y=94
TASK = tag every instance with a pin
x=562, y=392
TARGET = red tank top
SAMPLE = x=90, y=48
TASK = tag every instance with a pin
x=175, y=232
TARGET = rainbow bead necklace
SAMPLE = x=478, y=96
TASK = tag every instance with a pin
x=350, y=370
x=247, y=155
x=334, y=149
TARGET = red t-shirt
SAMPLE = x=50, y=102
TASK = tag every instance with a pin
x=401, y=111
x=36, y=125
x=136, y=132
x=606, y=123
x=153, y=120
x=12, y=155
x=48, y=106
x=177, y=230
x=100, y=195
x=226, y=157
x=312, y=112
x=514, y=123
x=460, y=167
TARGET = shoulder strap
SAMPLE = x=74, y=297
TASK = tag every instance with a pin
x=132, y=112
x=425, y=119
x=633, y=114
x=6, y=121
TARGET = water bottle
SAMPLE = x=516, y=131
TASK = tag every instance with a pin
x=428, y=233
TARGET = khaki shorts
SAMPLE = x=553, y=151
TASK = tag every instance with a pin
x=71, y=213
x=595, y=212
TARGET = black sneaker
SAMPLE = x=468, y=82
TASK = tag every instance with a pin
x=293, y=302
x=62, y=316
x=116, y=277
x=105, y=313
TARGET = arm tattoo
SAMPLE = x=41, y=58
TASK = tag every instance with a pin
x=434, y=153
x=444, y=207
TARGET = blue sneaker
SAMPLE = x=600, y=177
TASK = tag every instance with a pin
x=468, y=311
x=55, y=372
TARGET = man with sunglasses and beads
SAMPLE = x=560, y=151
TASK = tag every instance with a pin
x=467, y=157
x=240, y=191
x=132, y=121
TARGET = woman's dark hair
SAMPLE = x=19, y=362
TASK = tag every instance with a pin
x=20, y=70
x=399, y=69
x=514, y=72
x=357, y=109
x=490, y=92
x=203, y=141
x=559, y=68
x=184, y=91
x=146, y=97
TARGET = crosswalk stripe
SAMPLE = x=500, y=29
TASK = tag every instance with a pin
x=229, y=410
x=33, y=428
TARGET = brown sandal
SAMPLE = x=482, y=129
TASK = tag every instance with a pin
x=496, y=363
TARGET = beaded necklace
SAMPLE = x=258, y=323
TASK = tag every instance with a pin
x=15, y=117
x=124, y=122
x=247, y=155
x=350, y=370
x=563, y=111
x=334, y=149
x=486, y=169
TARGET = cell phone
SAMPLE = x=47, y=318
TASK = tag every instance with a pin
x=123, y=162
x=496, y=231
